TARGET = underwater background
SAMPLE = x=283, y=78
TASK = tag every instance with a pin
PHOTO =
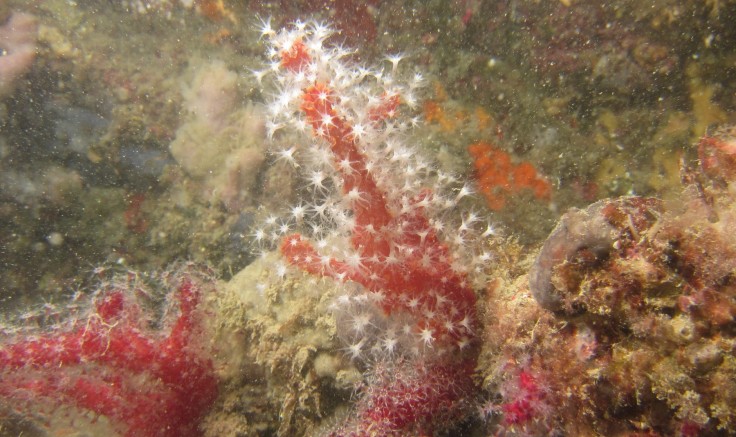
x=328, y=217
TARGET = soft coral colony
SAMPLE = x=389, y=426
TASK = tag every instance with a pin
x=377, y=223
x=106, y=357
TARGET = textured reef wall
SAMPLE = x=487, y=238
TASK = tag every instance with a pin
x=374, y=199
x=626, y=321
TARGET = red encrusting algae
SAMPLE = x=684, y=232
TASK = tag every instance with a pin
x=499, y=178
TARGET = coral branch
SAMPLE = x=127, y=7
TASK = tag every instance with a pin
x=318, y=107
x=112, y=364
x=411, y=397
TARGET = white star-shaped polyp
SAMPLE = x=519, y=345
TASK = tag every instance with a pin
x=359, y=131
x=327, y=120
x=426, y=336
x=355, y=349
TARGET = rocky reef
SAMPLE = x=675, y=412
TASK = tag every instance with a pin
x=626, y=320
x=475, y=217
